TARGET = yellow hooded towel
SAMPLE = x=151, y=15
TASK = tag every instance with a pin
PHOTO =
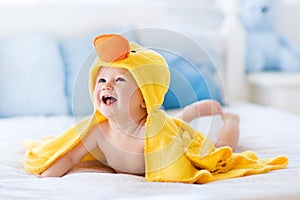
x=174, y=152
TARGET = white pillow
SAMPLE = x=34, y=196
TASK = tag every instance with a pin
x=31, y=76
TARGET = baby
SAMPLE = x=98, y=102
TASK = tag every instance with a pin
x=118, y=97
x=131, y=134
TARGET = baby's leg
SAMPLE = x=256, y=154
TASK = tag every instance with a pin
x=200, y=109
x=229, y=134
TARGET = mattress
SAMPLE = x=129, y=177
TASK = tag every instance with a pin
x=267, y=131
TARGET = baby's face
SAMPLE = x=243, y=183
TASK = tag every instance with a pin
x=116, y=93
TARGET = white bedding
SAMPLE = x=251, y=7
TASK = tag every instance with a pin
x=267, y=131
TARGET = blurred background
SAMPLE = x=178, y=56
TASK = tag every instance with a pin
x=242, y=50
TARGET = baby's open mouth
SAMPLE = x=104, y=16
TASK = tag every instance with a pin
x=108, y=100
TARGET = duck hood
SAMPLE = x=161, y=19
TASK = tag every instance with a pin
x=148, y=68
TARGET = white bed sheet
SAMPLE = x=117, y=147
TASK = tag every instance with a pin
x=267, y=131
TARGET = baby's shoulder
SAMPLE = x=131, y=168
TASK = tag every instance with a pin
x=97, y=131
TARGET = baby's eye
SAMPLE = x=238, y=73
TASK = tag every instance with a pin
x=101, y=80
x=120, y=79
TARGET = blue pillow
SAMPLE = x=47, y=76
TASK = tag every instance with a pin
x=31, y=76
x=74, y=52
x=189, y=82
x=192, y=65
x=78, y=55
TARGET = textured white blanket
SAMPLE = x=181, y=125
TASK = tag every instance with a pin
x=267, y=131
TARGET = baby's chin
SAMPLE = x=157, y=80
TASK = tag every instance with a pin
x=112, y=111
x=108, y=113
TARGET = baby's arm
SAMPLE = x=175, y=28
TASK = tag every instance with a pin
x=62, y=165
x=66, y=162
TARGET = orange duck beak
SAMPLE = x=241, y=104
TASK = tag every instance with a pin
x=111, y=47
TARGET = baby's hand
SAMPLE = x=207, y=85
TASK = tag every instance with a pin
x=39, y=176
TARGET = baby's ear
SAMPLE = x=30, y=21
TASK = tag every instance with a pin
x=143, y=104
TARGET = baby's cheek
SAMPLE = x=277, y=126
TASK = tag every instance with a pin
x=96, y=94
x=97, y=89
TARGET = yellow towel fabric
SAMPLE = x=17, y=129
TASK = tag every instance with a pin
x=174, y=152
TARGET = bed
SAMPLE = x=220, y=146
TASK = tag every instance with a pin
x=266, y=130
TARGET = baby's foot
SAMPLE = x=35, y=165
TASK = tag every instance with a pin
x=201, y=109
x=209, y=107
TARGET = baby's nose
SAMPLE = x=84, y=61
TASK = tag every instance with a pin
x=107, y=86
